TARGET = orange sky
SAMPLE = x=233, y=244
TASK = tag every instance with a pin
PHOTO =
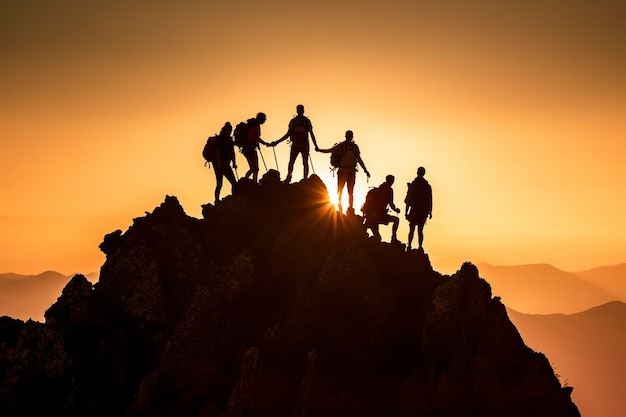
x=517, y=113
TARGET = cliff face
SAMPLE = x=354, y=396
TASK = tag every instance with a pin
x=272, y=305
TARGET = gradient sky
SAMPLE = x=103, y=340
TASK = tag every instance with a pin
x=517, y=112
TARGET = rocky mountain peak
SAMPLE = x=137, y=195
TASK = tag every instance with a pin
x=272, y=304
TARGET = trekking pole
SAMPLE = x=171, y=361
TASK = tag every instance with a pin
x=312, y=167
x=275, y=159
x=262, y=159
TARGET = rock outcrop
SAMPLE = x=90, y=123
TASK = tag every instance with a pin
x=273, y=304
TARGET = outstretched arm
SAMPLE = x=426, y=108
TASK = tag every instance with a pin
x=313, y=135
x=285, y=136
x=322, y=150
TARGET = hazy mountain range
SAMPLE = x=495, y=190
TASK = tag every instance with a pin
x=544, y=289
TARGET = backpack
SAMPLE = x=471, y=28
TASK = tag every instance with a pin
x=373, y=202
x=419, y=195
x=344, y=156
x=299, y=134
x=241, y=133
x=209, y=152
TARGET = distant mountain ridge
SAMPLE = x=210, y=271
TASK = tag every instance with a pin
x=611, y=278
x=587, y=350
x=28, y=296
x=544, y=289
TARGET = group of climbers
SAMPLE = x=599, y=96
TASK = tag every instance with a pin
x=345, y=157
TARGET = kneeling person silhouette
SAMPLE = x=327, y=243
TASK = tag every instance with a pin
x=377, y=202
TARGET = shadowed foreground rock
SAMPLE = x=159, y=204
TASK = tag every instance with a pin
x=272, y=305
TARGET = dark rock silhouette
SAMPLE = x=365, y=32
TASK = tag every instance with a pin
x=273, y=304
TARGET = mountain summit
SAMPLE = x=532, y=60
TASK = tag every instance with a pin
x=273, y=304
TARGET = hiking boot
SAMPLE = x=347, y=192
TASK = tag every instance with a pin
x=395, y=240
x=288, y=179
x=350, y=211
x=376, y=238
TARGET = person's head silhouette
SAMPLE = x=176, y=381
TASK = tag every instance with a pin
x=300, y=109
x=227, y=129
x=389, y=179
x=421, y=171
x=261, y=117
x=349, y=135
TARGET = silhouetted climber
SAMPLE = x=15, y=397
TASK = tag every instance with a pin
x=345, y=156
x=248, y=137
x=221, y=155
x=377, y=201
x=298, y=131
x=419, y=206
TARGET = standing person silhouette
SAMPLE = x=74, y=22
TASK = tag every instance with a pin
x=224, y=155
x=350, y=155
x=299, y=130
x=253, y=138
x=419, y=206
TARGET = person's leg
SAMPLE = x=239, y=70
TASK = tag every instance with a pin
x=247, y=154
x=218, y=185
x=341, y=181
x=350, y=180
x=293, y=153
x=254, y=165
x=305, y=162
x=420, y=233
x=394, y=228
x=230, y=176
x=411, y=233
x=376, y=232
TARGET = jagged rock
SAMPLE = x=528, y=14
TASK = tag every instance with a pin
x=111, y=242
x=33, y=363
x=73, y=302
x=474, y=362
x=273, y=304
x=241, y=400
